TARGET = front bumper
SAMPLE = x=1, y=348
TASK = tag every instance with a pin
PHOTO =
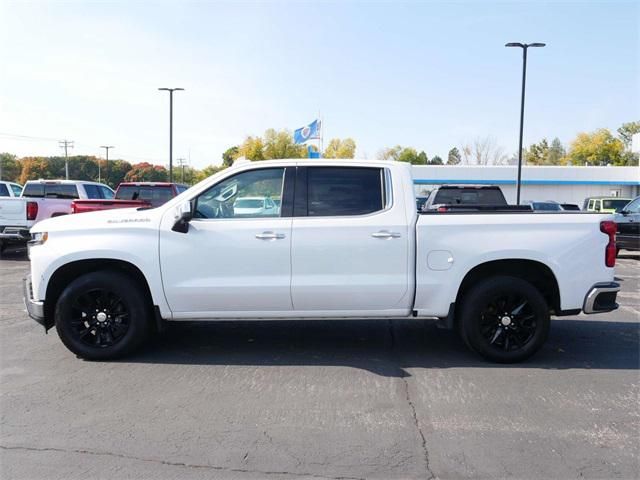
x=14, y=234
x=35, y=308
x=601, y=298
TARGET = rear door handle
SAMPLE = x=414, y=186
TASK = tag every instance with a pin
x=270, y=236
x=383, y=234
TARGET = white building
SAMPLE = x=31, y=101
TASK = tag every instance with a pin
x=562, y=184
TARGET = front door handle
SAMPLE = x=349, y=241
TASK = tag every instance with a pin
x=383, y=234
x=270, y=236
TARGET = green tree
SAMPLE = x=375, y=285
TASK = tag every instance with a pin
x=556, y=152
x=627, y=130
x=206, y=172
x=404, y=154
x=436, y=160
x=596, y=148
x=10, y=167
x=537, y=153
x=146, y=172
x=230, y=155
x=337, y=148
x=454, y=157
x=116, y=172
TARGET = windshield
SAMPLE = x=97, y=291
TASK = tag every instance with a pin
x=616, y=205
x=248, y=203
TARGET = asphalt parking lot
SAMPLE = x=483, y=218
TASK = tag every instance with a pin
x=321, y=399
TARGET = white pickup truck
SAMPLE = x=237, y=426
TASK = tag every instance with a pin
x=345, y=241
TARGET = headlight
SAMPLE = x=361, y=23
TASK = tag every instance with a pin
x=38, y=238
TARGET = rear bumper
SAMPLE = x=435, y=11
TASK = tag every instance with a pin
x=601, y=298
x=34, y=308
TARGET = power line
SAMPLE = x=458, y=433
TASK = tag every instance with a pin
x=66, y=144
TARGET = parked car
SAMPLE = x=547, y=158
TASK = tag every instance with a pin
x=628, y=223
x=445, y=195
x=348, y=243
x=420, y=202
x=255, y=207
x=54, y=197
x=10, y=189
x=132, y=194
x=605, y=204
x=570, y=207
x=545, y=206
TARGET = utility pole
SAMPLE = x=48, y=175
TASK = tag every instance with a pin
x=106, y=148
x=66, y=144
x=170, y=90
x=524, y=47
x=181, y=162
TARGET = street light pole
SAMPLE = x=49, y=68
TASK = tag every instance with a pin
x=525, y=47
x=106, y=147
x=170, y=90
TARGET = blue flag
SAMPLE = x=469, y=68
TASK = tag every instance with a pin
x=304, y=134
x=312, y=153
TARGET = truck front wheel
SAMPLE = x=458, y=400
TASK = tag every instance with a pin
x=102, y=315
x=504, y=319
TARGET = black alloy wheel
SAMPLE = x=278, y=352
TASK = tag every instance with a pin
x=103, y=315
x=504, y=319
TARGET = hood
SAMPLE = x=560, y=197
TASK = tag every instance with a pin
x=107, y=219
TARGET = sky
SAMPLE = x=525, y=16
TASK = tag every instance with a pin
x=430, y=75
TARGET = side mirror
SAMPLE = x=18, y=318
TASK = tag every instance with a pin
x=184, y=214
x=624, y=212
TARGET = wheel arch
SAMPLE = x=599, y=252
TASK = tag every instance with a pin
x=533, y=271
x=68, y=272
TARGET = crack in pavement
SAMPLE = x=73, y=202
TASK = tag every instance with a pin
x=412, y=406
x=177, y=464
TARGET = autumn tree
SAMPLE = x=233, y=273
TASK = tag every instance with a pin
x=146, y=172
x=340, y=148
x=596, y=148
x=33, y=168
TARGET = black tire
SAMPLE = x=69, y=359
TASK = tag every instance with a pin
x=92, y=336
x=504, y=319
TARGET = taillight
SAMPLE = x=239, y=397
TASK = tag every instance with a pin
x=442, y=209
x=609, y=227
x=74, y=207
x=32, y=210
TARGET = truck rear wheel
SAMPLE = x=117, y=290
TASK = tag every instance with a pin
x=102, y=315
x=504, y=319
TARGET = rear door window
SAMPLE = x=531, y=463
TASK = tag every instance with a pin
x=340, y=191
x=60, y=190
x=4, y=191
x=92, y=191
